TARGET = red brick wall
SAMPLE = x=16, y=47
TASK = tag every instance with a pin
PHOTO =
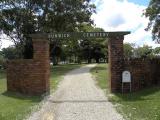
x=30, y=77
x=144, y=73
x=115, y=49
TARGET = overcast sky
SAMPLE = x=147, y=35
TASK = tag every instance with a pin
x=121, y=15
x=124, y=15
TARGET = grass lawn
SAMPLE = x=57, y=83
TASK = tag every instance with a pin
x=142, y=105
x=15, y=106
x=101, y=74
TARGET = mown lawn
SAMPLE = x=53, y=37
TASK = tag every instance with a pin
x=142, y=105
x=15, y=106
x=101, y=74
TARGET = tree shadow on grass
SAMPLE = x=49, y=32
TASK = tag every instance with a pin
x=143, y=95
x=22, y=97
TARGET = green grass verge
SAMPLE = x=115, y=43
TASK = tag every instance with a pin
x=142, y=105
x=15, y=106
x=100, y=72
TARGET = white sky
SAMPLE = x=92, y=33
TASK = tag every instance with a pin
x=5, y=42
x=121, y=15
x=118, y=15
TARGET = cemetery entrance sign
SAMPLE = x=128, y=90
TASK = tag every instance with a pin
x=81, y=35
x=78, y=35
x=31, y=77
x=115, y=50
x=69, y=35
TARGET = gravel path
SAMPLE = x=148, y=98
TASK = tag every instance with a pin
x=77, y=98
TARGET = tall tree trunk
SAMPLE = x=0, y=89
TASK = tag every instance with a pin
x=97, y=60
x=89, y=60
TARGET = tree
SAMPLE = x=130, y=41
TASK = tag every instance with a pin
x=97, y=53
x=78, y=50
x=153, y=13
x=144, y=52
x=156, y=50
x=56, y=53
x=128, y=50
x=93, y=48
x=10, y=53
x=20, y=18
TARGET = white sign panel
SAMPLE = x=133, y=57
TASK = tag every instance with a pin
x=126, y=77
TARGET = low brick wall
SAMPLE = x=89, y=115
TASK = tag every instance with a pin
x=31, y=76
x=28, y=77
x=144, y=73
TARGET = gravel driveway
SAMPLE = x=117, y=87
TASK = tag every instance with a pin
x=77, y=98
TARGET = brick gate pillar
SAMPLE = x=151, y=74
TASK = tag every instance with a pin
x=41, y=58
x=115, y=49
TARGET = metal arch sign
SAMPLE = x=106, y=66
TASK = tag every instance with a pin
x=67, y=35
x=79, y=35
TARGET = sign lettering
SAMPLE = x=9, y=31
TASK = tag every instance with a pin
x=78, y=35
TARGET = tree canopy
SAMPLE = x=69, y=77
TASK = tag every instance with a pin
x=78, y=50
x=19, y=18
x=128, y=50
x=153, y=13
x=144, y=52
